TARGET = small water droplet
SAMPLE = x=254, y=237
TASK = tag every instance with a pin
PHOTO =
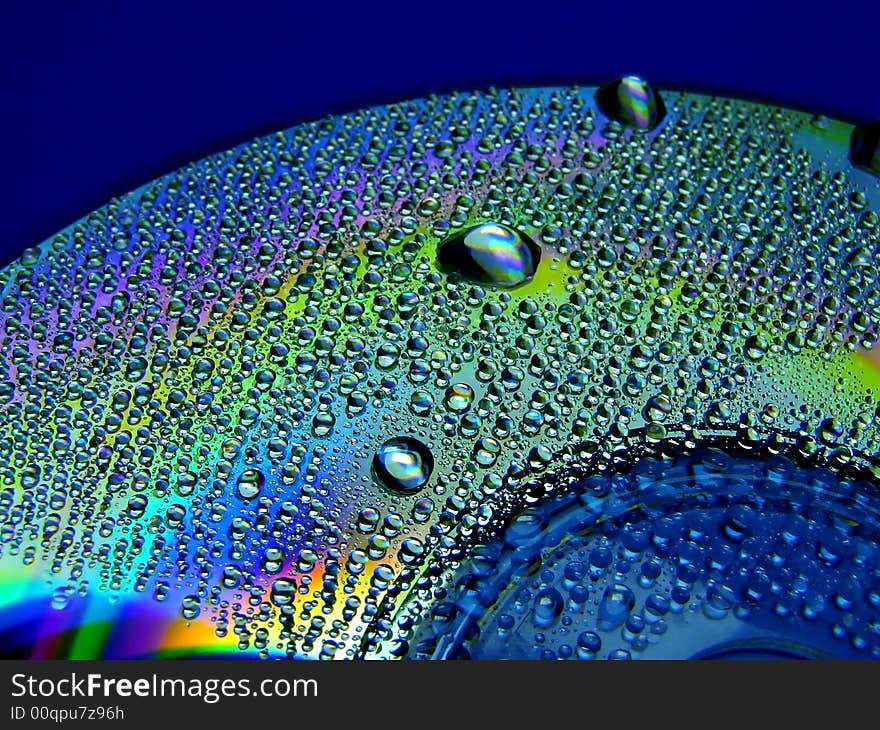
x=548, y=607
x=459, y=397
x=283, y=591
x=250, y=483
x=617, y=601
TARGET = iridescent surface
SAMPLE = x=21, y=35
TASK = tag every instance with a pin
x=198, y=380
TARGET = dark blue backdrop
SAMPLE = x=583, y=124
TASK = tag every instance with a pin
x=100, y=97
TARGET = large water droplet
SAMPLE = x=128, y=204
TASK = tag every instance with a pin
x=631, y=101
x=403, y=464
x=864, y=149
x=548, y=607
x=490, y=253
x=459, y=397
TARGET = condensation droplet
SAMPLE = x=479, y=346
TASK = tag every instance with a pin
x=403, y=464
x=490, y=253
x=631, y=101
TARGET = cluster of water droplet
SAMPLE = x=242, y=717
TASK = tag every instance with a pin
x=284, y=387
x=700, y=555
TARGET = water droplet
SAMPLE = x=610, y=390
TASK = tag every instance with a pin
x=490, y=253
x=283, y=591
x=589, y=643
x=864, y=149
x=190, y=608
x=548, y=607
x=422, y=510
x=617, y=601
x=421, y=402
x=323, y=423
x=631, y=101
x=403, y=464
x=250, y=483
x=61, y=597
x=367, y=520
x=459, y=397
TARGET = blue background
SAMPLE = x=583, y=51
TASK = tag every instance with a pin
x=101, y=97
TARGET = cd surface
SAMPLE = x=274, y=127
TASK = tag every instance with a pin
x=529, y=373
